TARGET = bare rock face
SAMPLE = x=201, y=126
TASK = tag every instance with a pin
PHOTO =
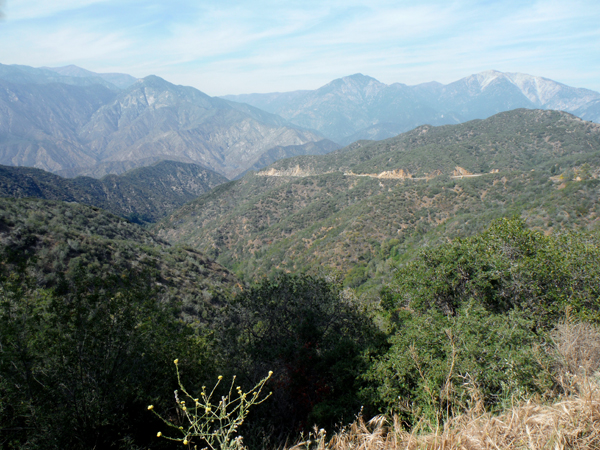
x=72, y=128
x=296, y=172
x=460, y=171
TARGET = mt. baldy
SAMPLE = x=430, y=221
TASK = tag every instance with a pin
x=360, y=107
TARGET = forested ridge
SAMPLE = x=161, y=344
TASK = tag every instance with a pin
x=540, y=165
x=142, y=195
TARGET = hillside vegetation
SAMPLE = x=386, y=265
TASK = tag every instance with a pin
x=314, y=213
x=141, y=195
x=94, y=310
x=473, y=250
x=57, y=240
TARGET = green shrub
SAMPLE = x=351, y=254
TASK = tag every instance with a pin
x=438, y=364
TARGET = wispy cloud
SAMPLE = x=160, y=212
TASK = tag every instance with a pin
x=39, y=9
x=241, y=46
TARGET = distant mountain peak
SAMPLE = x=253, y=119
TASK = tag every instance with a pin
x=357, y=87
x=71, y=70
x=119, y=80
x=358, y=106
x=153, y=80
x=488, y=76
x=360, y=77
x=539, y=90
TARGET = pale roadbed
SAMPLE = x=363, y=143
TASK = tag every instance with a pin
x=395, y=174
x=473, y=175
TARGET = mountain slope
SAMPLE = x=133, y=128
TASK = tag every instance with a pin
x=73, y=121
x=141, y=195
x=56, y=239
x=515, y=140
x=288, y=151
x=358, y=210
x=39, y=123
x=360, y=107
x=154, y=118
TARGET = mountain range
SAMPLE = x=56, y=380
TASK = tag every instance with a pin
x=78, y=122
x=72, y=121
x=360, y=107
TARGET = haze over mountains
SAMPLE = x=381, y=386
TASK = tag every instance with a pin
x=360, y=107
x=65, y=120
x=71, y=121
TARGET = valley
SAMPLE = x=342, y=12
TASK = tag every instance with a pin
x=332, y=213
x=170, y=245
x=142, y=195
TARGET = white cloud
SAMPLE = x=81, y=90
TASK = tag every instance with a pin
x=36, y=9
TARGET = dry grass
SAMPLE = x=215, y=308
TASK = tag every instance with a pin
x=578, y=345
x=571, y=422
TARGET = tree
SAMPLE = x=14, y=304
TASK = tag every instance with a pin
x=80, y=362
x=506, y=267
x=312, y=335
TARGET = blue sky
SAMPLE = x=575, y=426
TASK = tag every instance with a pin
x=232, y=47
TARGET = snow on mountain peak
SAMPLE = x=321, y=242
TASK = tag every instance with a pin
x=540, y=91
x=485, y=78
x=537, y=89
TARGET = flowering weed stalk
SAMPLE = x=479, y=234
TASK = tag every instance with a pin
x=214, y=423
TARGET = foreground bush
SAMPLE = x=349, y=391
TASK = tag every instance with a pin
x=506, y=267
x=436, y=362
x=476, y=314
x=313, y=335
x=571, y=421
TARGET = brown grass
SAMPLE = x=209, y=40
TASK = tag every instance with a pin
x=571, y=422
x=578, y=346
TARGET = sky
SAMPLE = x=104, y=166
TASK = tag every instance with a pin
x=233, y=47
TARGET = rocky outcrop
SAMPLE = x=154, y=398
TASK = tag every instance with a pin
x=291, y=172
x=460, y=172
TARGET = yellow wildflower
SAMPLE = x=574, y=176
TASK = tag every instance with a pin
x=159, y=434
x=150, y=408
